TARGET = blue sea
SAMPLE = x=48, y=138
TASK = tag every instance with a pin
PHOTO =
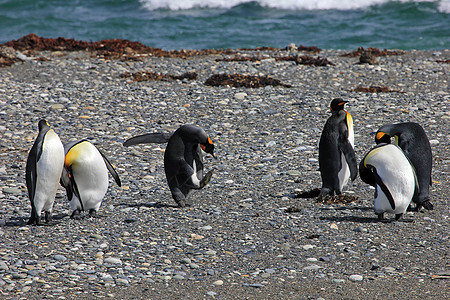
x=207, y=24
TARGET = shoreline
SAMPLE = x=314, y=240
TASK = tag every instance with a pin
x=237, y=239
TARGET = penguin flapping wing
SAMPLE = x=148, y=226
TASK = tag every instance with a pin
x=148, y=138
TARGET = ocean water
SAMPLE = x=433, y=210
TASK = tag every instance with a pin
x=206, y=24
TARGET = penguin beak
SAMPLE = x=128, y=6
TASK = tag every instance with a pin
x=209, y=148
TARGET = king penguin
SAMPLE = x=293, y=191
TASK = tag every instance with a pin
x=386, y=168
x=337, y=160
x=183, y=159
x=85, y=177
x=412, y=139
x=43, y=170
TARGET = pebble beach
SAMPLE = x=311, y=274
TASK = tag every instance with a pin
x=245, y=235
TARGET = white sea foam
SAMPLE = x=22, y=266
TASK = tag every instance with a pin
x=443, y=5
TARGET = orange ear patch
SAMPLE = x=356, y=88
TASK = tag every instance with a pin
x=379, y=135
x=210, y=141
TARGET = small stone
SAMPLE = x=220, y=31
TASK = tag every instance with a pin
x=207, y=227
x=355, y=278
x=57, y=106
x=338, y=280
x=294, y=173
x=194, y=266
x=360, y=229
x=186, y=261
x=434, y=142
x=211, y=293
x=178, y=276
x=312, y=268
x=218, y=282
x=113, y=261
x=13, y=191
x=307, y=247
x=59, y=257
x=211, y=252
x=333, y=226
x=3, y=266
x=240, y=96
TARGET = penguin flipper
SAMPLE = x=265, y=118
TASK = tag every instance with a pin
x=148, y=138
x=66, y=183
x=111, y=169
x=31, y=176
x=383, y=187
x=206, y=179
x=350, y=157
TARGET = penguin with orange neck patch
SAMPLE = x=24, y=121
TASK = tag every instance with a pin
x=337, y=160
x=183, y=159
x=412, y=139
x=85, y=177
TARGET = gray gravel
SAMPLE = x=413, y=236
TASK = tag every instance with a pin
x=237, y=240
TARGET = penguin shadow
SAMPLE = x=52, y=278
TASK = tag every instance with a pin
x=21, y=221
x=353, y=219
x=150, y=205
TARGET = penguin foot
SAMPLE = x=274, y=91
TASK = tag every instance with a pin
x=411, y=208
x=31, y=220
x=382, y=219
x=76, y=214
x=48, y=216
x=181, y=204
x=399, y=218
x=93, y=213
x=427, y=204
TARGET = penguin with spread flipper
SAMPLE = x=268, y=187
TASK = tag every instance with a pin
x=183, y=159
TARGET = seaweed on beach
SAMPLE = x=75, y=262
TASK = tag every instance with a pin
x=113, y=48
x=447, y=61
x=373, y=52
x=309, y=49
x=146, y=76
x=8, y=57
x=260, y=49
x=307, y=60
x=241, y=58
x=375, y=89
x=239, y=80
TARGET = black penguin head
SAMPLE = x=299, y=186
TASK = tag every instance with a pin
x=208, y=147
x=43, y=124
x=382, y=137
x=337, y=104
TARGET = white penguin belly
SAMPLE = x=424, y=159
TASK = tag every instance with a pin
x=194, y=176
x=397, y=174
x=48, y=171
x=91, y=177
x=344, y=173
